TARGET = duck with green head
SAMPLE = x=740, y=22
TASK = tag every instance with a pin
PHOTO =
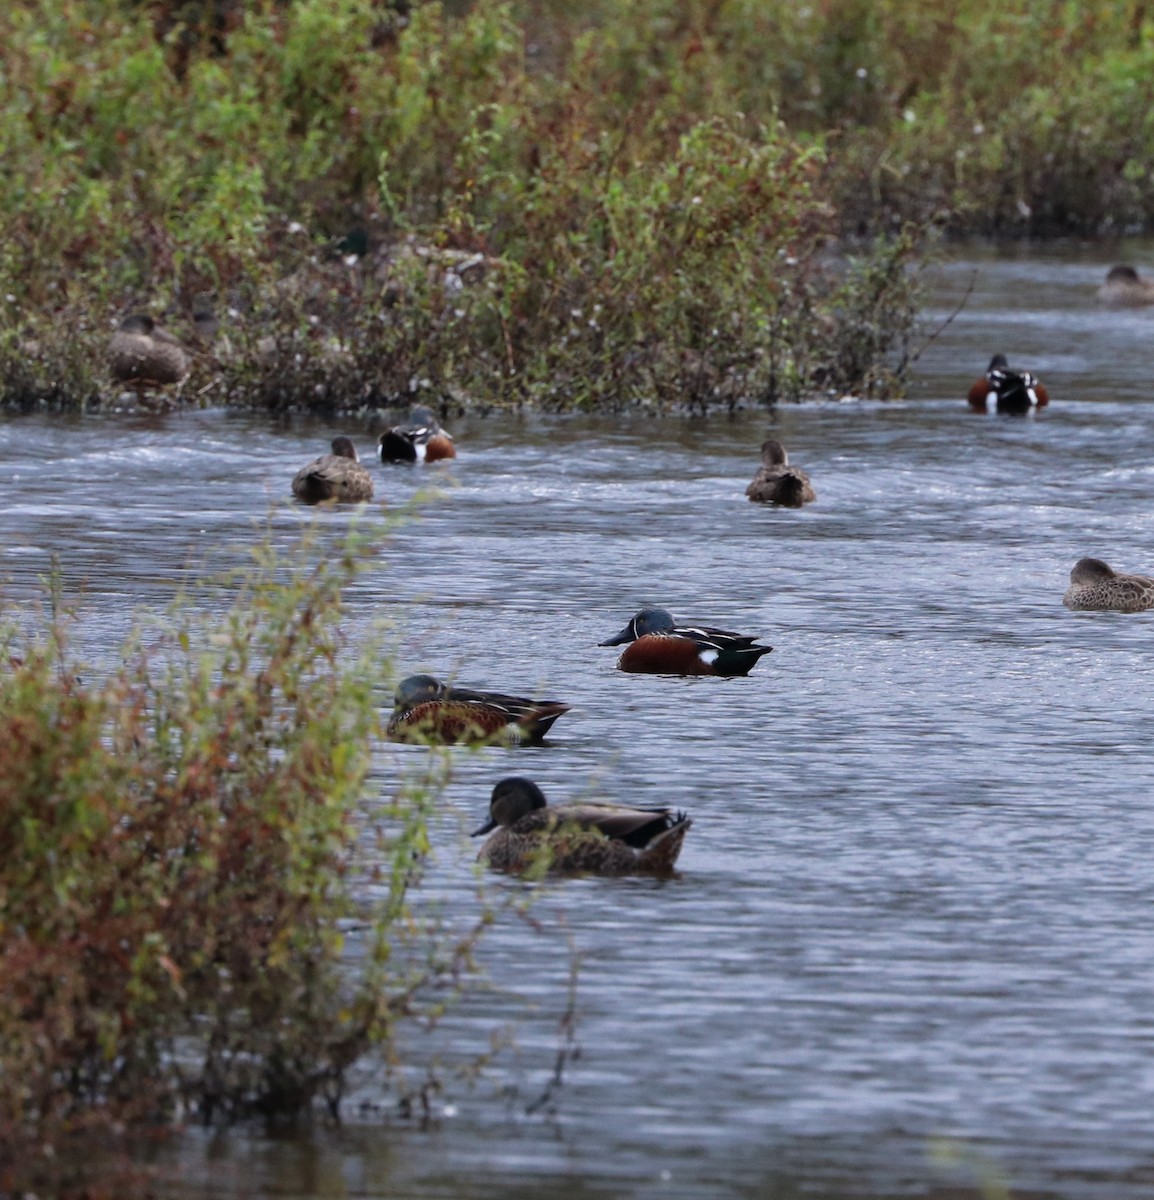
x=655, y=645
x=1003, y=390
x=420, y=439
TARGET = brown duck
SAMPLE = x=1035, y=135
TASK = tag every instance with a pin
x=602, y=839
x=776, y=482
x=1125, y=288
x=429, y=712
x=1094, y=585
x=338, y=477
x=142, y=355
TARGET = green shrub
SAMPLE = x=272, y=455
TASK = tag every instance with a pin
x=486, y=207
x=204, y=906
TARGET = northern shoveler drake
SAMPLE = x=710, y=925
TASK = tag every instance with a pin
x=420, y=439
x=1002, y=390
x=430, y=712
x=1125, y=287
x=659, y=647
x=143, y=355
x=339, y=477
x=1094, y=585
x=776, y=482
x=603, y=839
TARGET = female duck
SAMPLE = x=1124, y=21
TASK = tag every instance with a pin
x=776, y=482
x=339, y=477
x=428, y=712
x=1125, y=288
x=1094, y=585
x=1003, y=390
x=143, y=355
x=605, y=839
x=421, y=439
x=659, y=647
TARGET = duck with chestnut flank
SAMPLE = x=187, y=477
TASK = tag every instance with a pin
x=602, y=839
x=1004, y=390
x=657, y=646
x=429, y=712
x=420, y=439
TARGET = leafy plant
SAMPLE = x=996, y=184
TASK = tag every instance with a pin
x=204, y=905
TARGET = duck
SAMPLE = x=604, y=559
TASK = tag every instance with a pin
x=1095, y=585
x=339, y=477
x=776, y=482
x=602, y=839
x=1003, y=390
x=1124, y=287
x=429, y=712
x=658, y=646
x=420, y=439
x=143, y=355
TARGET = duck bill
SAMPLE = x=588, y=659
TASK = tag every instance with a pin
x=626, y=635
x=488, y=827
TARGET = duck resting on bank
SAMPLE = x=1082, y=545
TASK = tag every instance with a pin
x=142, y=355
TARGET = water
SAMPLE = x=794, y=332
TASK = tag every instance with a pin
x=909, y=950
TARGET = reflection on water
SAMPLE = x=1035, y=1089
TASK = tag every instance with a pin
x=909, y=950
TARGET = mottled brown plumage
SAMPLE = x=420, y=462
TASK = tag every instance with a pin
x=776, y=482
x=142, y=355
x=1094, y=585
x=1125, y=288
x=429, y=712
x=602, y=839
x=338, y=477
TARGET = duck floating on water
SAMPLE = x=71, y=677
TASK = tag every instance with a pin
x=602, y=839
x=429, y=712
x=776, y=482
x=1007, y=391
x=658, y=646
x=339, y=477
x=1125, y=288
x=420, y=439
x=1095, y=585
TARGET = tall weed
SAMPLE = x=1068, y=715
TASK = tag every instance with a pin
x=204, y=906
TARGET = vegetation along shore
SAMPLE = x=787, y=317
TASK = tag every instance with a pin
x=349, y=204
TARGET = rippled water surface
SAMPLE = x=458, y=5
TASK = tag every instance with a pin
x=910, y=948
